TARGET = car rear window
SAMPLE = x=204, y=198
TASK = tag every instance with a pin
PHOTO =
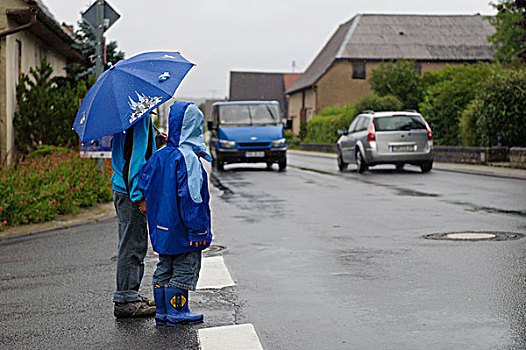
x=399, y=122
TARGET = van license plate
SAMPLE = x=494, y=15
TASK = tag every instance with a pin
x=254, y=154
x=403, y=148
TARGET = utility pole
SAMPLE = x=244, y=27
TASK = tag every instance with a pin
x=100, y=16
x=99, y=63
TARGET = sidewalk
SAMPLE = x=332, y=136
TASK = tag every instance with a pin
x=497, y=170
x=86, y=215
x=106, y=210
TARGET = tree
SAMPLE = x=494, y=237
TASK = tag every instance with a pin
x=46, y=110
x=509, y=40
x=87, y=45
x=400, y=79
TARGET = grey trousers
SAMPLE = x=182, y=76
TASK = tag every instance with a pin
x=133, y=244
x=180, y=271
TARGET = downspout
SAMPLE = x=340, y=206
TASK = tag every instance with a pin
x=20, y=28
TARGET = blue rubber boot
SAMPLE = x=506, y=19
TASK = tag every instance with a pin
x=177, y=312
x=160, y=304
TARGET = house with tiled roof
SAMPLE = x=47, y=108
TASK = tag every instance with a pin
x=338, y=75
x=28, y=32
x=262, y=86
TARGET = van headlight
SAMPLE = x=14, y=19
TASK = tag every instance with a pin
x=227, y=143
x=280, y=143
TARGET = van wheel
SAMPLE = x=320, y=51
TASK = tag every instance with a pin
x=426, y=166
x=341, y=164
x=269, y=165
x=361, y=165
x=220, y=165
x=399, y=166
x=282, y=164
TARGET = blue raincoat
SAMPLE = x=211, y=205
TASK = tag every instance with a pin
x=175, y=186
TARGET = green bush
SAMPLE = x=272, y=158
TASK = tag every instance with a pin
x=500, y=109
x=323, y=128
x=400, y=79
x=377, y=103
x=293, y=141
x=468, y=124
x=49, y=182
x=445, y=101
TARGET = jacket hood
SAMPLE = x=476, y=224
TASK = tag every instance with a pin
x=186, y=128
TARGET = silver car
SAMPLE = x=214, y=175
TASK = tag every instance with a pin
x=386, y=138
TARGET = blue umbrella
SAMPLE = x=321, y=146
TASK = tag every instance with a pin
x=128, y=91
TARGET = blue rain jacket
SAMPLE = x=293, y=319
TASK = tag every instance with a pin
x=175, y=186
x=129, y=153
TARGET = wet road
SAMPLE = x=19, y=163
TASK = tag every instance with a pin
x=325, y=260
x=321, y=260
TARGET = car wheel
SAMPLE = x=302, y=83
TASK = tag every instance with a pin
x=282, y=164
x=361, y=165
x=341, y=164
x=399, y=166
x=269, y=165
x=426, y=166
x=220, y=165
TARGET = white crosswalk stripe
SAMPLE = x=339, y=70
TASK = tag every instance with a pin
x=214, y=274
x=236, y=337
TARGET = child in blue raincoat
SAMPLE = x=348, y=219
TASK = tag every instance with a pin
x=175, y=187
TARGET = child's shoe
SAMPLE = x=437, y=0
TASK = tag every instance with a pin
x=160, y=304
x=177, y=311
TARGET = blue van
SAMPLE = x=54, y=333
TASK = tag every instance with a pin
x=247, y=132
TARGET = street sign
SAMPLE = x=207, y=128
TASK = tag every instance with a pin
x=110, y=16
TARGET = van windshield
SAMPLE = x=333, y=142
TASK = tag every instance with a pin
x=399, y=122
x=249, y=114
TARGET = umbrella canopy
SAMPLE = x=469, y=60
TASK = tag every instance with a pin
x=128, y=91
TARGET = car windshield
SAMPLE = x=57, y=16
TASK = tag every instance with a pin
x=399, y=122
x=249, y=114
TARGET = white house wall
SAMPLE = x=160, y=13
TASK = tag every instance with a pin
x=33, y=50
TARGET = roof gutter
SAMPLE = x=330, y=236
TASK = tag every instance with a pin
x=20, y=28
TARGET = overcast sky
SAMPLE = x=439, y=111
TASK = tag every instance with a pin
x=248, y=35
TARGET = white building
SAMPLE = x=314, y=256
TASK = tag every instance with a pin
x=28, y=32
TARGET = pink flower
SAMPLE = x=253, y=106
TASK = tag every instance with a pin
x=37, y=211
x=20, y=191
x=4, y=222
x=21, y=202
x=77, y=188
x=81, y=185
x=28, y=174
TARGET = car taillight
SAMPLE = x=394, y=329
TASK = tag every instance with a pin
x=371, y=136
x=429, y=132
